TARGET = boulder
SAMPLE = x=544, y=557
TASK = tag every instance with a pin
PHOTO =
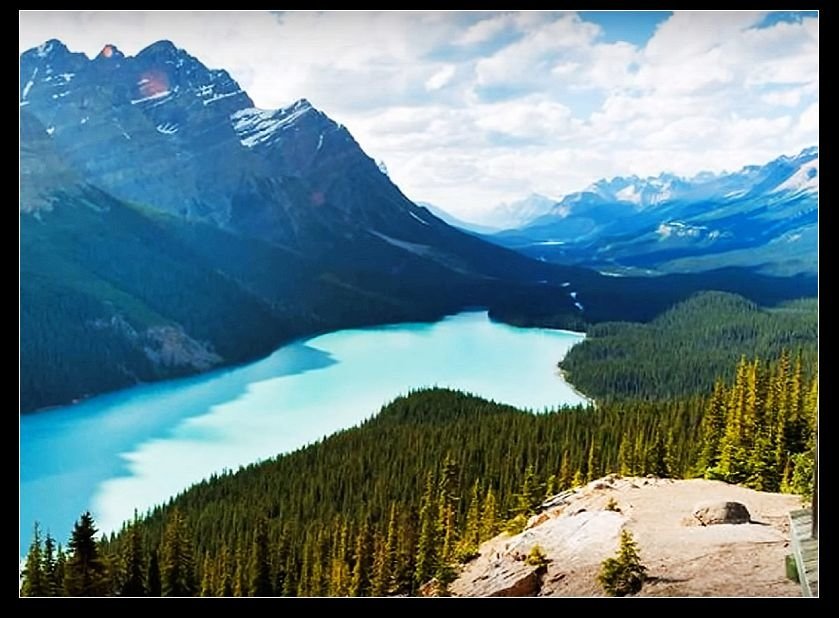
x=711, y=513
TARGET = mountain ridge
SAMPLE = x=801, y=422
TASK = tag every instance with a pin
x=151, y=177
x=667, y=223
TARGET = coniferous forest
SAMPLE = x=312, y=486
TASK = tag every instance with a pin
x=384, y=507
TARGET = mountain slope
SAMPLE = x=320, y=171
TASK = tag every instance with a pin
x=764, y=217
x=169, y=226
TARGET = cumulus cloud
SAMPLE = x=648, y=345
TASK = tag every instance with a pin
x=469, y=109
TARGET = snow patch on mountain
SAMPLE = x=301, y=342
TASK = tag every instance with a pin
x=805, y=179
x=152, y=97
x=256, y=126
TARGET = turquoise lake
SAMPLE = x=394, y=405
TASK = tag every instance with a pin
x=137, y=447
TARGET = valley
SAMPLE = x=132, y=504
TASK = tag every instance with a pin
x=298, y=395
x=297, y=317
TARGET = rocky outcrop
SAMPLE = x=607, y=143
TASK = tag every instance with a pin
x=578, y=529
x=711, y=513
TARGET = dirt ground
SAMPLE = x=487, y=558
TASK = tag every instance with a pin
x=682, y=558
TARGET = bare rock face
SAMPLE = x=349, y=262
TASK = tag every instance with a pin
x=711, y=513
x=522, y=585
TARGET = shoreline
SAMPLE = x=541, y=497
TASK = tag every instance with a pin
x=564, y=375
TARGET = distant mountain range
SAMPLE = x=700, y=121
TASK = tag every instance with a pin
x=763, y=217
x=503, y=216
x=168, y=226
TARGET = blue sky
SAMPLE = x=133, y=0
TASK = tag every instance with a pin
x=636, y=27
x=470, y=109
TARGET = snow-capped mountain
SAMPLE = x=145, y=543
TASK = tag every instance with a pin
x=519, y=213
x=169, y=225
x=669, y=223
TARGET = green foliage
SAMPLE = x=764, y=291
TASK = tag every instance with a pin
x=34, y=579
x=803, y=475
x=612, y=505
x=761, y=425
x=516, y=524
x=85, y=574
x=133, y=564
x=624, y=574
x=177, y=572
x=682, y=351
x=383, y=508
x=537, y=557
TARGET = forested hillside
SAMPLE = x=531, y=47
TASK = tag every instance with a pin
x=382, y=508
x=684, y=350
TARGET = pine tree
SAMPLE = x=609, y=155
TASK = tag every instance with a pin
x=224, y=573
x=471, y=537
x=317, y=578
x=34, y=580
x=566, y=476
x=489, y=516
x=625, y=464
x=593, y=461
x=259, y=569
x=381, y=575
x=530, y=494
x=54, y=586
x=360, y=579
x=290, y=580
x=656, y=463
x=177, y=572
x=153, y=584
x=133, y=585
x=623, y=574
x=84, y=574
x=449, y=495
x=207, y=584
x=426, y=562
x=60, y=569
x=713, y=427
x=240, y=584
x=280, y=562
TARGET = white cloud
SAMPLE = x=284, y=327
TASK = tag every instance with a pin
x=783, y=98
x=485, y=30
x=471, y=109
x=440, y=78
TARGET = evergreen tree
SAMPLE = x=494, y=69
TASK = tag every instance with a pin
x=153, y=584
x=713, y=427
x=566, y=475
x=240, y=584
x=657, y=457
x=35, y=582
x=360, y=580
x=381, y=574
x=207, y=584
x=623, y=574
x=489, y=516
x=54, y=585
x=60, y=568
x=593, y=461
x=224, y=573
x=259, y=570
x=84, y=574
x=449, y=495
x=177, y=572
x=530, y=494
x=133, y=585
x=471, y=538
x=427, y=558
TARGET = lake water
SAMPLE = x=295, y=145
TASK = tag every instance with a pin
x=139, y=446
